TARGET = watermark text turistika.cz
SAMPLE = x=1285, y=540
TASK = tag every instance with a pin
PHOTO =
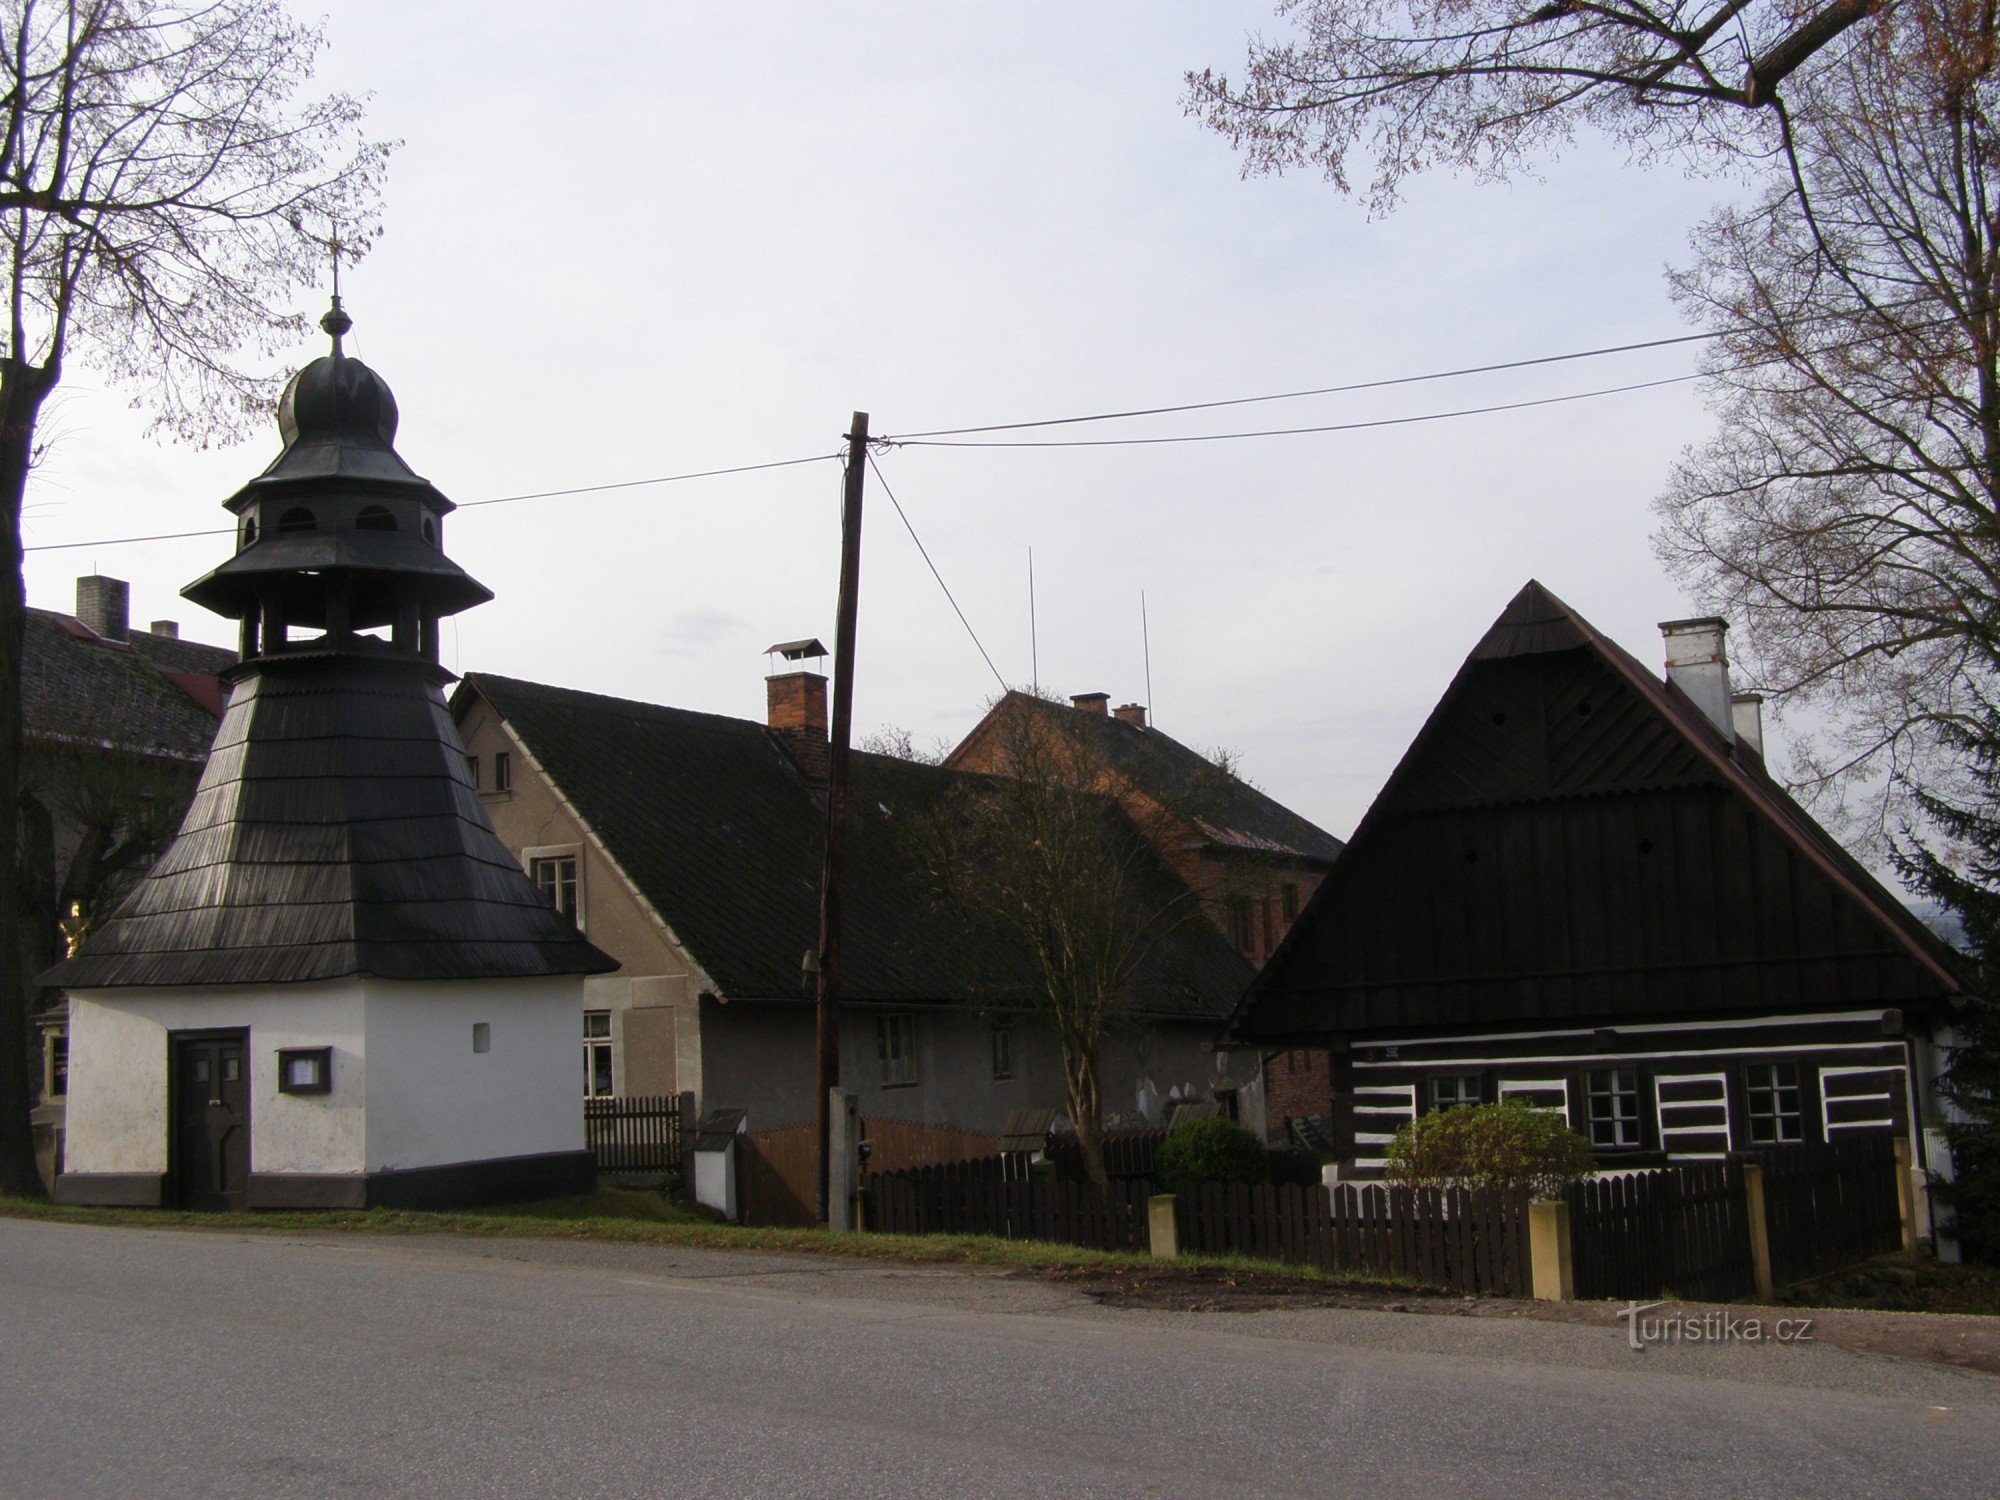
x=1712, y=1326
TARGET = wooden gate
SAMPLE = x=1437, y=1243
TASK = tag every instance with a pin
x=775, y=1170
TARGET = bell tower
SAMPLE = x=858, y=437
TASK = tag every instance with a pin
x=339, y=543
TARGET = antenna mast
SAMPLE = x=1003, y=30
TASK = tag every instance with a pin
x=1146, y=641
x=1034, y=645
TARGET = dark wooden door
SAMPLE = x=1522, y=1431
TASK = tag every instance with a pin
x=211, y=1119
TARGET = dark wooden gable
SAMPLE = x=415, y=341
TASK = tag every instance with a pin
x=1567, y=840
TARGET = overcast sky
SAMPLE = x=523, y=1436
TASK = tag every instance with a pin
x=646, y=240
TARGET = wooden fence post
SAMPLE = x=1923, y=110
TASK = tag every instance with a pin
x=1554, y=1275
x=1906, y=1194
x=1760, y=1229
x=1162, y=1232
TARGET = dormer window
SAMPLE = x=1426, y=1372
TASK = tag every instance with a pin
x=374, y=518
x=249, y=531
x=298, y=518
x=430, y=531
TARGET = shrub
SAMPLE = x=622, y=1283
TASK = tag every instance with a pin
x=1210, y=1150
x=1490, y=1145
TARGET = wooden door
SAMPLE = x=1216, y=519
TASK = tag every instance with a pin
x=210, y=1118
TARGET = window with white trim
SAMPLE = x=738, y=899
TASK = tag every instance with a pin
x=1612, y=1098
x=503, y=771
x=896, y=1050
x=1771, y=1094
x=597, y=1079
x=1454, y=1090
x=555, y=876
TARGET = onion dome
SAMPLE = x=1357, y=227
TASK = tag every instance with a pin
x=339, y=537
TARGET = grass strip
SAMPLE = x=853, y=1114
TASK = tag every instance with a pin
x=622, y=1217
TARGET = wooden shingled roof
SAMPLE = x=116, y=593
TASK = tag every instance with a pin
x=713, y=824
x=1569, y=838
x=335, y=831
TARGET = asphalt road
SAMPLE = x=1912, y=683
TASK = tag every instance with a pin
x=144, y=1363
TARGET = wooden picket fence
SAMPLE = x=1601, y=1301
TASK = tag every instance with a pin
x=1832, y=1206
x=1467, y=1240
x=1127, y=1153
x=1682, y=1231
x=640, y=1133
x=976, y=1198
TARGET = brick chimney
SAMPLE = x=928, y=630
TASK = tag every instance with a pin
x=1698, y=665
x=169, y=628
x=105, y=605
x=1131, y=713
x=1092, y=703
x=796, y=703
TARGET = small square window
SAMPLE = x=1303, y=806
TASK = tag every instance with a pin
x=305, y=1070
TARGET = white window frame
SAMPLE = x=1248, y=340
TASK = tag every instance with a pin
x=534, y=856
x=1622, y=1125
x=1773, y=1091
x=1455, y=1097
x=598, y=1044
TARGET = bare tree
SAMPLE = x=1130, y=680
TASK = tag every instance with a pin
x=1845, y=510
x=1848, y=508
x=1495, y=86
x=164, y=193
x=1043, y=863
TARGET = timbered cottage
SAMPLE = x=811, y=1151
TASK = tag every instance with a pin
x=336, y=987
x=1581, y=888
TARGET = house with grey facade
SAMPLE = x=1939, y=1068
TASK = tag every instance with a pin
x=688, y=846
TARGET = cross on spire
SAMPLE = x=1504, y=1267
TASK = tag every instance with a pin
x=336, y=322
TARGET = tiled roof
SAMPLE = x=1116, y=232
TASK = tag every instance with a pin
x=711, y=820
x=1231, y=812
x=147, y=694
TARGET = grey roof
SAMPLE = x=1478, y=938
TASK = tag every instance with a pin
x=335, y=831
x=1233, y=813
x=713, y=823
x=146, y=695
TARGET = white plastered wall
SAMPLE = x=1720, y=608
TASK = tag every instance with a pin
x=117, y=1110
x=435, y=1101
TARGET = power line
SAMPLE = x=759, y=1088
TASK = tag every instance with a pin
x=934, y=571
x=1324, y=390
x=582, y=489
x=1223, y=437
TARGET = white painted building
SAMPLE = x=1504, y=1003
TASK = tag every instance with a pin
x=336, y=987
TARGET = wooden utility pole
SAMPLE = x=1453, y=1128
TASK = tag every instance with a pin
x=836, y=798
